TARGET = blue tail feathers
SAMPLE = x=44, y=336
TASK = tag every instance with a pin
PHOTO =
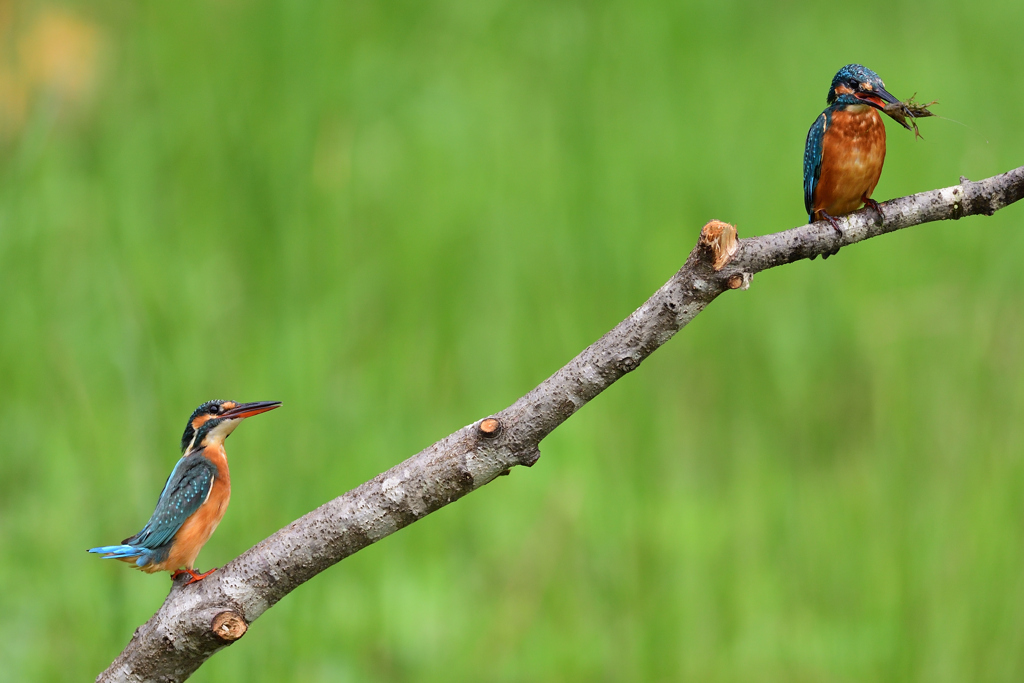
x=123, y=552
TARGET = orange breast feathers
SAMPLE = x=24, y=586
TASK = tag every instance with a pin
x=198, y=528
x=853, y=151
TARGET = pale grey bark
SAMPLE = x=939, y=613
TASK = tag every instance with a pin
x=197, y=620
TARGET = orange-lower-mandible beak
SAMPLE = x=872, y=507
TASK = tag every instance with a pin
x=877, y=98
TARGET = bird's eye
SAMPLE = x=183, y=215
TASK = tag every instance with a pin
x=215, y=409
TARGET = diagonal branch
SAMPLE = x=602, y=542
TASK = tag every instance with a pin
x=197, y=620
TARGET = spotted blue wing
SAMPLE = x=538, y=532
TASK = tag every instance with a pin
x=812, y=160
x=186, y=489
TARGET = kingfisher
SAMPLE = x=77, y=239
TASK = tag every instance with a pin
x=846, y=146
x=194, y=497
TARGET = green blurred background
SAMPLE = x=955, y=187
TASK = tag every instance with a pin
x=399, y=217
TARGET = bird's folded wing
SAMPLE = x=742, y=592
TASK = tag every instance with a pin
x=812, y=159
x=186, y=489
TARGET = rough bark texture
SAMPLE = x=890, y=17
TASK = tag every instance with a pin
x=191, y=624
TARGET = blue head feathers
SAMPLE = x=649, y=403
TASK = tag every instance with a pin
x=852, y=78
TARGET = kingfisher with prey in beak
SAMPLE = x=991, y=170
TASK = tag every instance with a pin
x=194, y=498
x=846, y=146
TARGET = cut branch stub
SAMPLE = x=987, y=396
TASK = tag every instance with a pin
x=229, y=626
x=720, y=238
x=490, y=428
x=740, y=281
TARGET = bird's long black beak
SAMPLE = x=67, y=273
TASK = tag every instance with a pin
x=877, y=98
x=886, y=95
x=250, y=409
x=881, y=98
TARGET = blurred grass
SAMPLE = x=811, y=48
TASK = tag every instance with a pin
x=398, y=218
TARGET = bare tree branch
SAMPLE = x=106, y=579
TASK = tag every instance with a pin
x=197, y=620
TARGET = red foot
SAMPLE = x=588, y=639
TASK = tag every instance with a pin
x=835, y=226
x=192, y=573
x=874, y=205
x=833, y=221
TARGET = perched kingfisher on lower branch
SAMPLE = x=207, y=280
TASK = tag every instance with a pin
x=194, y=498
x=846, y=146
